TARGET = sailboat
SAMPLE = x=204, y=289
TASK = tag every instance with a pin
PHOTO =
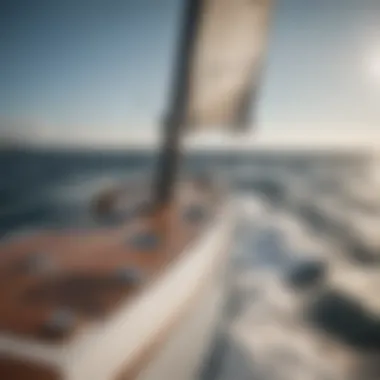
x=142, y=297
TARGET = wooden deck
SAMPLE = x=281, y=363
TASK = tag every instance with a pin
x=13, y=369
x=54, y=282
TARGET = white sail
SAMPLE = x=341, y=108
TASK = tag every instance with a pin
x=226, y=63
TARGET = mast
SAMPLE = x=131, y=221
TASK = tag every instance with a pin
x=169, y=156
x=216, y=76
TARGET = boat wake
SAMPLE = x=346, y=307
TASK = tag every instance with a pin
x=303, y=307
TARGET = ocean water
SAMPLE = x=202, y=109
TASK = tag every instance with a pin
x=325, y=327
x=294, y=207
x=40, y=188
x=51, y=188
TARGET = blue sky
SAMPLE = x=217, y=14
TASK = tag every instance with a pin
x=84, y=62
x=107, y=64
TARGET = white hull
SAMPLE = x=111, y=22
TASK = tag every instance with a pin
x=183, y=354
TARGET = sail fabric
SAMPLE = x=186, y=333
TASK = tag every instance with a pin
x=226, y=64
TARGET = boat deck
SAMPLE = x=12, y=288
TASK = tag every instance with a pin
x=52, y=283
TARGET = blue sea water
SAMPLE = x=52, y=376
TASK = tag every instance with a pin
x=53, y=188
x=50, y=188
x=40, y=188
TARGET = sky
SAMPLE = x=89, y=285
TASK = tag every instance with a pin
x=324, y=65
x=94, y=67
